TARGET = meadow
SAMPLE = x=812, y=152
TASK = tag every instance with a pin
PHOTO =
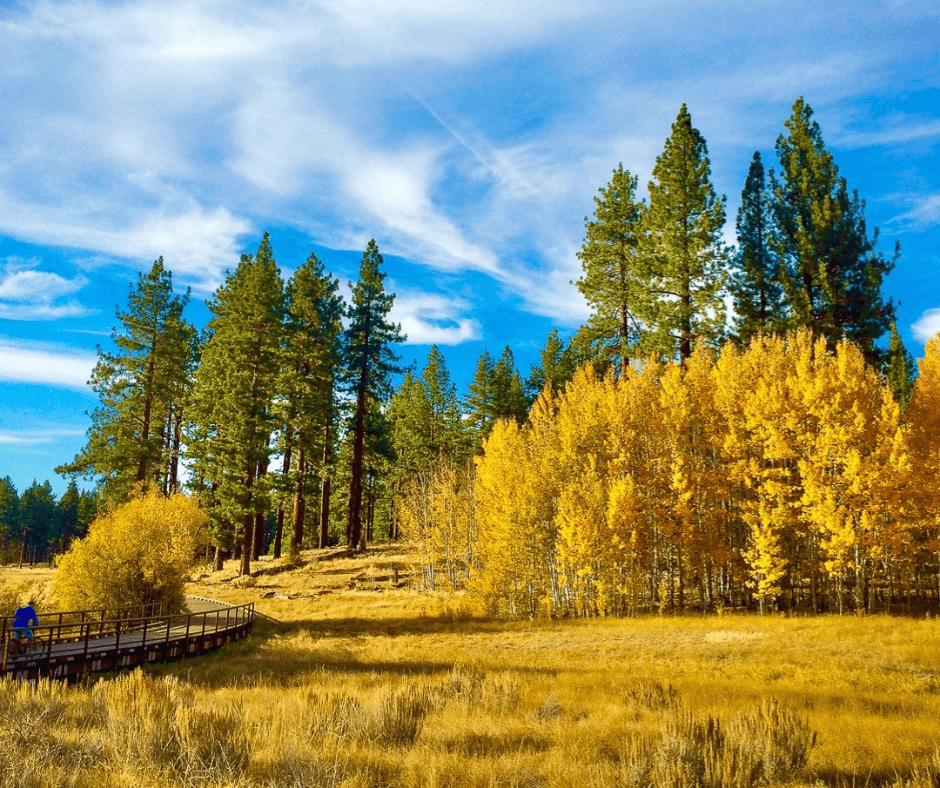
x=352, y=677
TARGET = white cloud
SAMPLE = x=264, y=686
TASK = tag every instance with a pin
x=924, y=215
x=433, y=319
x=36, y=437
x=899, y=132
x=140, y=129
x=927, y=325
x=41, y=363
x=29, y=294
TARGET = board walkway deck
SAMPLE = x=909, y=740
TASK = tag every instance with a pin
x=84, y=642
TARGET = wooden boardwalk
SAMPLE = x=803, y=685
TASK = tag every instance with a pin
x=83, y=642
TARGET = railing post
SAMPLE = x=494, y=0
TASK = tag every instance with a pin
x=49, y=651
x=143, y=642
x=189, y=618
x=85, y=649
x=166, y=643
x=6, y=647
x=117, y=643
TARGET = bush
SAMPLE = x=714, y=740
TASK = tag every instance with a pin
x=140, y=553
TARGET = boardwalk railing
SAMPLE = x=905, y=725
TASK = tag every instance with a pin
x=72, y=648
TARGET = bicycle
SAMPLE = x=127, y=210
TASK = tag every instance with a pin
x=23, y=645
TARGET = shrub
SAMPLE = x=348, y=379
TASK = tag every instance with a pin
x=139, y=553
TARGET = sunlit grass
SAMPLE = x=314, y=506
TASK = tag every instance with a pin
x=351, y=679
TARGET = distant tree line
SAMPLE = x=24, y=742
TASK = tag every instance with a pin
x=34, y=524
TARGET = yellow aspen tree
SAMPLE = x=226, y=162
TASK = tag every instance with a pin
x=638, y=514
x=923, y=418
x=578, y=454
x=856, y=458
x=515, y=519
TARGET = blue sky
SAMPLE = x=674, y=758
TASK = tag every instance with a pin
x=468, y=139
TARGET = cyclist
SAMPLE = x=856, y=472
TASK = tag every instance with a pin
x=23, y=618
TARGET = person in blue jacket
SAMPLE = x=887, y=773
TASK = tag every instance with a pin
x=23, y=619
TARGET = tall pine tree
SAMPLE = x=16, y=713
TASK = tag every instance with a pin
x=609, y=262
x=683, y=260
x=370, y=363
x=232, y=413
x=755, y=285
x=831, y=274
x=134, y=435
x=310, y=371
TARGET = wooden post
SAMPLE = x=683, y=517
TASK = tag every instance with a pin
x=117, y=643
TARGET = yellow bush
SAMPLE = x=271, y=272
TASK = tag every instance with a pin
x=139, y=553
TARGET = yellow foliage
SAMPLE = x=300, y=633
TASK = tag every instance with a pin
x=139, y=553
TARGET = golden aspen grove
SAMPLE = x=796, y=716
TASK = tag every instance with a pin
x=782, y=476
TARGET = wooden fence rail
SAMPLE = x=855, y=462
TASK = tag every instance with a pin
x=78, y=644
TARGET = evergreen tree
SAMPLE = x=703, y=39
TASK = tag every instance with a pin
x=557, y=367
x=830, y=272
x=508, y=394
x=9, y=510
x=426, y=421
x=609, y=262
x=755, y=282
x=310, y=370
x=141, y=387
x=232, y=417
x=899, y=368
x=369, y=363
x=682, y=256
x=479, y=401
x=69, y=508
x=40, y=521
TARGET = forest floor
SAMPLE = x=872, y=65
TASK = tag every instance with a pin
x=352, y=677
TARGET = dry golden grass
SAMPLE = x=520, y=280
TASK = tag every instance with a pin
x=353, y=679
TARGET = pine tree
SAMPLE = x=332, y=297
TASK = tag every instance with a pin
x=134, y=436
x=557, y=366
x=479, y=401
x=232, y=417
x=899, y=368
x=609, y=261
x=369, y=362
x=311, y=368
x=754, y=284
x=9, y=510
x=40, y=522
x=509, y=400
x=830, y=272
x=682, y=258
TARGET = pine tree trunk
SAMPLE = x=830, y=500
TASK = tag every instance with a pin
x=325, y=486
x=285, y=471
x=260, y=519
x=219, y=558
x=145, y=420
x=248, y=525
x=175, y=454
x=300, y=503
x=354, y=524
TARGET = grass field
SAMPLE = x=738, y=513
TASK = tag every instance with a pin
x=353, y=678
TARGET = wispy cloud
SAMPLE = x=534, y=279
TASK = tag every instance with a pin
x=36, y=437
x=924, y=215
x=29, y=294
x=434, y=319
x=896, y=132
x=45, y=364
x=179, y=128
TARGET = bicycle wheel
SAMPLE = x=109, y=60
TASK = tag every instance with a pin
x=39, y=644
